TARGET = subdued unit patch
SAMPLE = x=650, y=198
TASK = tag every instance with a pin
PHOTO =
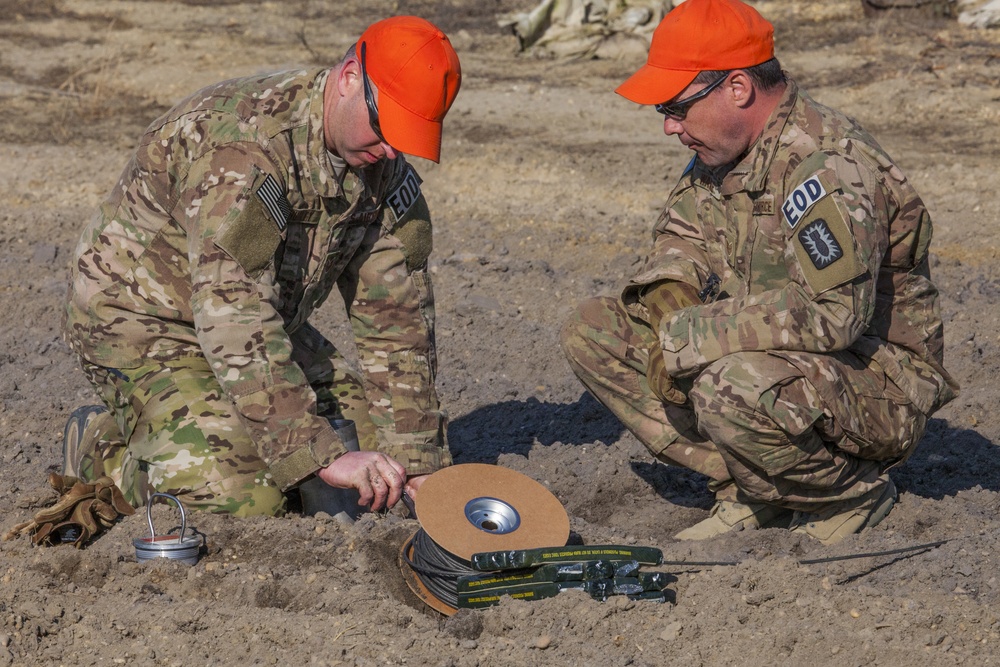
x=825, y=248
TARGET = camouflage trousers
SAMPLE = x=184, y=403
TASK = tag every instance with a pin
x=170, y=429
x=794, y=429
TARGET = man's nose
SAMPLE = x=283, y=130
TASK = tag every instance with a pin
x=671, y=126
x=389, y=152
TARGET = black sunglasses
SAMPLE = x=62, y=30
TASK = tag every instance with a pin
x=369, y=97
x=678, y=110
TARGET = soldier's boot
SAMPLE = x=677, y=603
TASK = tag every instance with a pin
x=834, y=524
x=80, y=436
x=731, y=516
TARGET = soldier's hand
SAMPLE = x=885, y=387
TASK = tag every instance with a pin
x=378, y=479
x=413, y=484
x=660, y=381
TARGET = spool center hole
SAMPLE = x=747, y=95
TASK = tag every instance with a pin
x=492, y=515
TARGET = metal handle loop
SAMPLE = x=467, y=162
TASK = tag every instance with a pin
x=149, y=515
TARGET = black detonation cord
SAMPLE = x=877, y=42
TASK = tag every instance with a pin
x=438, y=569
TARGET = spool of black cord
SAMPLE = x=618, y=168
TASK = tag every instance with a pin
x=473, y=508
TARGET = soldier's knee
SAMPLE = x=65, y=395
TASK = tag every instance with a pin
x=578, y=332
x=738, y=381
x=259, y=501
x=572, y=332
x=727, y=395
x=714, y=388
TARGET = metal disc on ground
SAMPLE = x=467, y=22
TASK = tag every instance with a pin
x=473, y=507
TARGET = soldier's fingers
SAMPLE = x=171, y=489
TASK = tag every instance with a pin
x=379, y=486
x=366, y=494
x=395, y=479
x=396, y=466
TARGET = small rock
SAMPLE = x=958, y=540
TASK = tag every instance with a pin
x=466, y=625
x=484, y=303
x=671, y=632
x=622, y=603
x=543, y=642
x=343, y=518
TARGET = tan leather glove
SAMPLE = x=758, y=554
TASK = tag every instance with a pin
x=83, y=509
x=661, y=299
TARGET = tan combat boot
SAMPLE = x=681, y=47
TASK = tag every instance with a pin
x=731, y=516
x=834, y=524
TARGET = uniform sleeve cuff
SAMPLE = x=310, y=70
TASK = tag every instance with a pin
x=421, y=453
x=303, y=462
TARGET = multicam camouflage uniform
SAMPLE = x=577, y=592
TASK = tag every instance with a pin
x=193, y=285
x=814, y=364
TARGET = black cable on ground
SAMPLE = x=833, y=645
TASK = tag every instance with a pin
x=438, y=569
x=888, y=552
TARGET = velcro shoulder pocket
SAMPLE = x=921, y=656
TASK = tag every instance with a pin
x=253, y=235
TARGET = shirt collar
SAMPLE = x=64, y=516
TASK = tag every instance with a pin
x=750, y=174
x=324, y=174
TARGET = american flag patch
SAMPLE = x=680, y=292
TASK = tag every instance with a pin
x=273, y=198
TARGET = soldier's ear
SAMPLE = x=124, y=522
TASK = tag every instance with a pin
x=741, y=88
x=348, y=77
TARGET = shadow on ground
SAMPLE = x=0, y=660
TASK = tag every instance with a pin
x=949, y=460
x=513, y=427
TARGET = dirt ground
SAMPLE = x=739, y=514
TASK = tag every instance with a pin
x=546, y=194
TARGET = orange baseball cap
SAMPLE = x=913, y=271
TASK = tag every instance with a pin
x=417, y=73
x=698, y=36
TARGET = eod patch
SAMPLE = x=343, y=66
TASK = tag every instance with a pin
x=408, y=191
x=801, y=200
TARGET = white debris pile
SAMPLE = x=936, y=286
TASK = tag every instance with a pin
x=588, y=28
x=979, y=13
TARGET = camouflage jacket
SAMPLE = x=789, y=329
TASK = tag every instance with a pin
x=227, y=228
x=817, y=243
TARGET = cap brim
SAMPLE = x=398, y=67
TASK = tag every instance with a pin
x=653, y=85
x=408, y=132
